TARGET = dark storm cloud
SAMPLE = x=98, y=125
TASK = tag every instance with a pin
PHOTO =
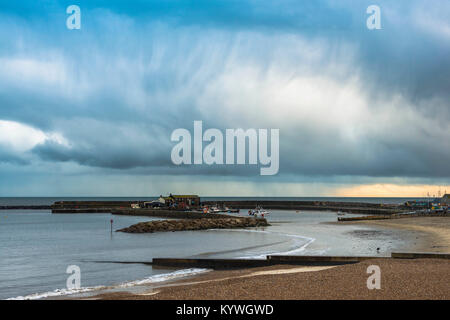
x=135, y=72
x=120, y=158
x=12, y=158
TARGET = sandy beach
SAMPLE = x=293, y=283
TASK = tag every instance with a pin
x=400, y=278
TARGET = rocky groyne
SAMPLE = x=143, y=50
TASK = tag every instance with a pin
x=195, y=224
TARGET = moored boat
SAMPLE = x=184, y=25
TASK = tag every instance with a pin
x=258, y=212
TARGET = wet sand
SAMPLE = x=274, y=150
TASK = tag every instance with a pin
x=400, y=278
x=435, y=231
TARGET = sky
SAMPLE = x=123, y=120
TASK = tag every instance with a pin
x=90, y=112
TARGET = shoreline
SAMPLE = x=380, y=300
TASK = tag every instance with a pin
x=265, y=282
x=435, y=229
x=401, y=279
x=433, y=232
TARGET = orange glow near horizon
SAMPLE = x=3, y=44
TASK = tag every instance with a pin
x=392, y=190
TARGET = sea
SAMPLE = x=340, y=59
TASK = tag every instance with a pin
x=38, y=249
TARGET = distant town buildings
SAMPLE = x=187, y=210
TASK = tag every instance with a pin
x=446, y=199
x=181, y=201
x=431, y=204
x=173, y=201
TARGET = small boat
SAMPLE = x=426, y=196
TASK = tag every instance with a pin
x=340, y=213
x=258, y=212
x=214, y=210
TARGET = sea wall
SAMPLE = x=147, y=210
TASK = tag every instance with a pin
x=350, y=207
x=195, y=224
x=25, y=207
x=83, y=210
x=219, y=264
x=278, y=260
x=394, y=216
x=420, y=255
x=160, y=213
x=91, y=204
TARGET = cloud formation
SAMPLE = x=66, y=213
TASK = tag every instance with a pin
x=348, y=101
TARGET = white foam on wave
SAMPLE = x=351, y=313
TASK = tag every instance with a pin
x=298, y=245
x=56, y=293
x=152, y=279
x=165, y=277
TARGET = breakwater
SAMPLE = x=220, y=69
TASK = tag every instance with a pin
x=420, y=255
x=91, y=204
x=251, y=263
x=160, y=213
x=350, y=207
x=393, y=216
x=31, y=207
x=83, y=210
x=279, y=260
x=195, y=224
x=271, y=260
x=125, y=206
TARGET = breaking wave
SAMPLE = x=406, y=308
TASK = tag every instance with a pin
x=152, y=279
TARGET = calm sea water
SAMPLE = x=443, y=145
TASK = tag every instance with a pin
x=36, y=247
